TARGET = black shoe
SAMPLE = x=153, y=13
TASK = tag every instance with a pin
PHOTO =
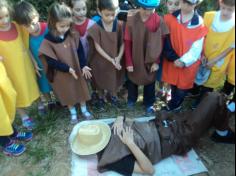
x=229, y=139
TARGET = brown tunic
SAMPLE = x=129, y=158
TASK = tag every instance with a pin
x=105, y=75
x=146, y=49
x=183, y=131
x=145, y=136
x=68, y=90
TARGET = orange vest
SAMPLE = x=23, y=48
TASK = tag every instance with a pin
x=182, y=40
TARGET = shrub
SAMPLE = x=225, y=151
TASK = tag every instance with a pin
x=42, y=6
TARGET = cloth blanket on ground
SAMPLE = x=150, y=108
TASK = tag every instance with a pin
x=175, y=165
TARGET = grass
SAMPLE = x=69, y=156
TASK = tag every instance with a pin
x=49, y=152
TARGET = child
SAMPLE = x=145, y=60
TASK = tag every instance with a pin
x=165, y=90
x=14, y=50
x=7, y=110
x=106, y=51
x=65, y=65
x=143, y=45
x=172, y=6
x=26, y=15
x=187, y=34
x=220, y=38
x=81, y=22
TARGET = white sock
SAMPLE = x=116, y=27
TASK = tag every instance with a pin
x=222, y=133
x=231, y=107
x=83, y=109
x=73, y=113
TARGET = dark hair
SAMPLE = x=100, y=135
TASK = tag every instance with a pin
x=228, y=2
x=108, y=5
x=24, y=13
x=8, y=5
x=57, y=12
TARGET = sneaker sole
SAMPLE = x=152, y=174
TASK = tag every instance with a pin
x=14, y=155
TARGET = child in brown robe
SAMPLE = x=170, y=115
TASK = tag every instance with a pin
x=143, y=46
x=65, y=62
x=106, y=51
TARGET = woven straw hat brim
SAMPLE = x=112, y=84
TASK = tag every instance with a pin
x=83, y=150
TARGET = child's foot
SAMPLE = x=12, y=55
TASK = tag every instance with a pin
x=115, y=102
x=28, y=123
x=94, y=98
x=41, y=110
x=150, y=111
x=23, y=136
x=54, y=105
x=130, y=105
x=168, y=96
x=100, y=105
x=228, y=139
x=14, y=149
x=74, y=121
x=161, y=94
x=87, y=115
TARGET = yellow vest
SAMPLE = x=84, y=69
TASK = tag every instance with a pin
x=215, y=44
x=19, y=68
x=7, y=103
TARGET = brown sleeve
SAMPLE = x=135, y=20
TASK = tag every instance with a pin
x=121, y=30
x=164, y=27
x=47, y=50
x=94, y=34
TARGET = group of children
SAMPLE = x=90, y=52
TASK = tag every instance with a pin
x=71, y=53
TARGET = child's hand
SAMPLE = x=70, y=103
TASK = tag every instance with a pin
x=154, y=67
x=37, y=69
x=1, y=58
x=72, y=72
x=127, y=136
x=87, y=72
x=118, y=125
x=130, y=69
x=116, y=65
x=179, y=64
x=210, y=64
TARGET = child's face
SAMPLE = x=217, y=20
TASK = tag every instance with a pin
x=5, y=20
x=108, y=16
x=187, y=7
x=227, y=12
x=80, y=10
x=146, y=13
x=63, y=26
x=34, y=26
x=173, y=5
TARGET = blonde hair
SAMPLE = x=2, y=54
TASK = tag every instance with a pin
x=8, y=5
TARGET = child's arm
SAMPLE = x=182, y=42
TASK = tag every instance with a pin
x=57, y=65
x=1, y=58
x=211, y=63
x=192, y=55
x=86, y=71
x=142, y=165
x=36, y=67
x=121, y=53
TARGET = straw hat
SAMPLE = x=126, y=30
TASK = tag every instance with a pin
x=91, y=138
